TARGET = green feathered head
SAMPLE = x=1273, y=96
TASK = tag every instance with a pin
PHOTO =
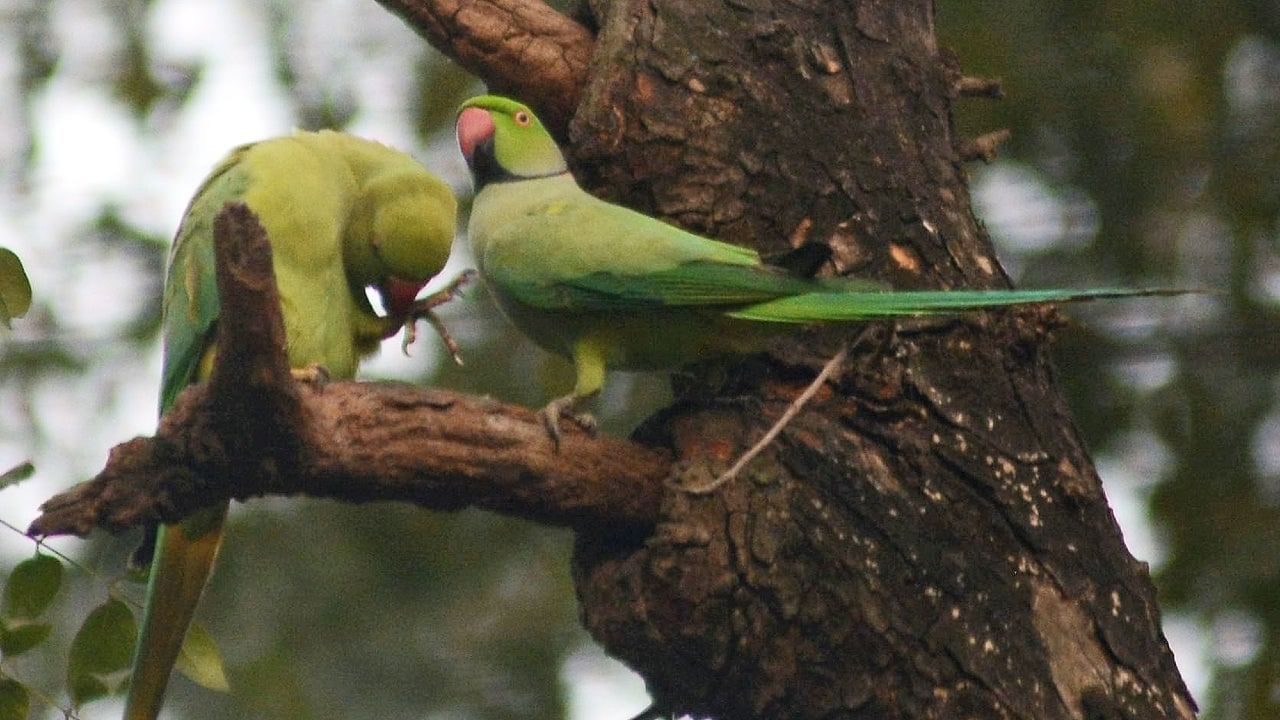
x=502, y=139
x=400, y=233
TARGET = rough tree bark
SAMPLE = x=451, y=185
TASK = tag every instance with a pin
x=931, y=538
x=928, y=540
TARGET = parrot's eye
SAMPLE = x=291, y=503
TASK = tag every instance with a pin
x=522, y=118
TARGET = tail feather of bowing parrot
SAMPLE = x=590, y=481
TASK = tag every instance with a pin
x=609, y=287
x=341, y=214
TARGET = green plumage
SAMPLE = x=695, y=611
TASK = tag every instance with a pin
x=612, y=288
x=341, y=214
x=847, y=306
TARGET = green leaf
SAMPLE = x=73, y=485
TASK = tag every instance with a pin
x=19, y=637
x=441, y=86
x=101, y=652
x=15, y=288
x=200, y=661
x=16, y=474
x=15, y=700
x=31, y=587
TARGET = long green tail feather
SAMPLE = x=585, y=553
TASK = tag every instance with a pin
x=854, y=306
x=184, y=556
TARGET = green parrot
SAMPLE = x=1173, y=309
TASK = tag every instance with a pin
x=341, y=214
x=609, y=287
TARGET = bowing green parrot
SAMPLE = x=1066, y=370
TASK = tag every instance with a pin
x=609, y=287
x=341, y=214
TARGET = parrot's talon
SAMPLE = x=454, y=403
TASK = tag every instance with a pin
x=410, y=334
x=443, y=295
x=587, y=422
x=443, y=332
x=550, y=417
x=562, y=407
x=315, y=374
x=424, y=310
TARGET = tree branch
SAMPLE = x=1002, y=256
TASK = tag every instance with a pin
x=983, y=147
x=252, y=430
x=522, y=48
x=971, y=86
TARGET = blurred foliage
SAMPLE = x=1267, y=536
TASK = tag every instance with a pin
x=200, y=660
x=1145, y=149
x=16, y=474
x=98, y=664
x=15, y=700
x=28, y=591
x=30, y=588
x=439, y=88
x=15, y=288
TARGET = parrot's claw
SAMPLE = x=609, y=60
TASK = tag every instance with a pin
x=442, y=296
x=587, y=422
x=411, y=334
x=562, y=407
x=315, y=373
x=424, y=310
x=550, y=417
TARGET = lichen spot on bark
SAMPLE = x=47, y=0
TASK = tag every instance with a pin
x=800, y=235
x=1077, y=661
x=904, y=257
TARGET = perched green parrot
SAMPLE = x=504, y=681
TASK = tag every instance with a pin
x=341, y=214
x=609, y=287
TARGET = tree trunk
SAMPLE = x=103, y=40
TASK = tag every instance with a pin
x=929, y=539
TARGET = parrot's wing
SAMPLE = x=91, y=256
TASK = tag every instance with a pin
x=190, y=303
x=697, y=283
x=610, y=258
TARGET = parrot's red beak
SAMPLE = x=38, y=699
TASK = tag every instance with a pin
x=398, y=296
x=475, y=127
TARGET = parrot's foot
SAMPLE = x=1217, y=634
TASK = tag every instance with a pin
x=411, y=334
x=315, y=373
x=792, y=410
x=563, y=407
x=424, y=309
